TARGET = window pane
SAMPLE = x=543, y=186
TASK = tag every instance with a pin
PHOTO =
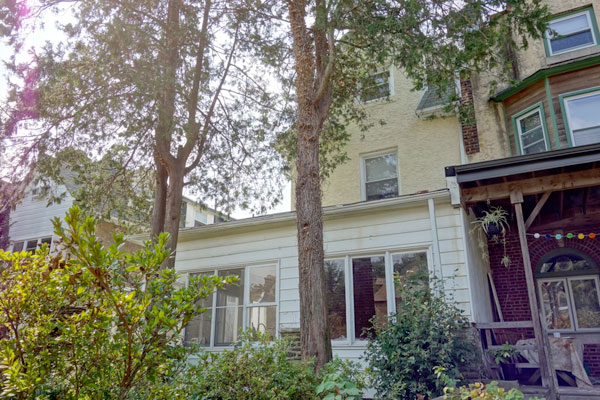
x=530, y=122
x=229, y=322
x=534, y=135
x=382, y=189
x=587, y=308
x=233, y=294
x=556, y=305
x=336, y=297
x=379, y=168
x=409, y=265
x=370, y=299
x=570, y=25
x=535, y=148
x=262, y=284
x=31, y=245
x=18, y=246
x=375, y=86
x=572, y=41
x=198, y=329
x=48, y=241
x=584, y=119
x=263, y=319
x=564, y=263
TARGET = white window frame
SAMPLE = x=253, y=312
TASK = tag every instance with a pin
x=390, y=70
x=536, y=110
x=587, y=13
x=363, y=170
x=38, y=243
x=566, y=99
x=246, y=300
x=570, y=300
x=351, y=339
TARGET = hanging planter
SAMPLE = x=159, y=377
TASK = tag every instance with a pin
x=493, y=226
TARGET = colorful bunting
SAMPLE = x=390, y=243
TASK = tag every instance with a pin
x=558, y=236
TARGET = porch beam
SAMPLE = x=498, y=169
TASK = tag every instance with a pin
x=563, y=181
x=546, y=369
x=537, y=209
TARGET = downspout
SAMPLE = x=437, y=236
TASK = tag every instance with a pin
x=435, y=244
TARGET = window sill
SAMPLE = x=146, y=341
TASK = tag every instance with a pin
x=571, y=55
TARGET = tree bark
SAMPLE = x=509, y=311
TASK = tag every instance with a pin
x=315, y=338
x=173, y=212
x=160, y=200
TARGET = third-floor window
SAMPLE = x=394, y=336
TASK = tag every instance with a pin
x=571, y=32
x=380, y=176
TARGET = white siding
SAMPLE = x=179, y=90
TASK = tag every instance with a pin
x=365, y=232
x=32, y=217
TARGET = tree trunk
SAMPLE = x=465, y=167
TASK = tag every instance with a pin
x=160, y=200
x=173, y=213
x=314, y=324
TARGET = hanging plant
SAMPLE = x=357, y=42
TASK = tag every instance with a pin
x=492, y=225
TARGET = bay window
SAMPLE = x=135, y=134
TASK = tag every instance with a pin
x=582, y=118
x=250, y=302
x=531, y=130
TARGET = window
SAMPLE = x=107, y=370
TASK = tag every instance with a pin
x=376, y=86
x=380, y=177
x=250, y=302
x=531, y=130
x=200, y=218
x=571, y=32
x=360, y=288
x=582, y=117
x=17, y=246
x=569, y=292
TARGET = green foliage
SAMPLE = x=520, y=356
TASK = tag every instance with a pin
x=505, y=354
x=93, y=322
x=341, y=380
x=256, y=368
x=476, y=390
x=424, y=333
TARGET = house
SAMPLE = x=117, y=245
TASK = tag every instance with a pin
x=29, y=223
x=385, y=211
x=539, y=145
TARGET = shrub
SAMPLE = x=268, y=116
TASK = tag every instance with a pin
x=93, y=322
x=424, y=333
x=256, y=368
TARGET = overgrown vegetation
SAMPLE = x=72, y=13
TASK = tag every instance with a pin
x=93, y=322
x=424, y=333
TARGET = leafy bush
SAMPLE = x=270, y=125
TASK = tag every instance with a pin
x=93, y=322
x=424, y=333
x=259, y=368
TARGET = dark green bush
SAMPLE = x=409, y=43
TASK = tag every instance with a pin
x=424, y=333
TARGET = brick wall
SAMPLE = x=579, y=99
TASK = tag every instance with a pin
x=468, y=124
x=511, y=285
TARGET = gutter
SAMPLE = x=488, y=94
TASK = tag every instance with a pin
x=273, y=219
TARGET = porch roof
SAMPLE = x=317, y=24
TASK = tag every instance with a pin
x=504, y=167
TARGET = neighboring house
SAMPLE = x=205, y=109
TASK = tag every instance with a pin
x=29, y=223
x=548, y=127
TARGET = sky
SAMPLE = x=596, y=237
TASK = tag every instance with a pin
x=52, y=34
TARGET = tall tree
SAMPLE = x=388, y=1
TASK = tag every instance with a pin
x=164, y=90
x=336, y=44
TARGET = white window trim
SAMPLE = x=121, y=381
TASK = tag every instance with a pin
x=246, y=299
x=537, y=110
x=363, y=170
x=570, y=300
x=390, y=69
x=351, y=340
x=38, y=243
x=566, y=100
x=590, y=27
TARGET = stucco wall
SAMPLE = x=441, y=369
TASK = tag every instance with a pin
x=489, y=115
x=424, y=147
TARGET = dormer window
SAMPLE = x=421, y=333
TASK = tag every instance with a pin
x=380, y=176
x=571, y=32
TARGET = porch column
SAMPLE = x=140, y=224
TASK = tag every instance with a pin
x=546, y=368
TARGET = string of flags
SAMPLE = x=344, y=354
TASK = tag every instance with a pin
x=559, y=236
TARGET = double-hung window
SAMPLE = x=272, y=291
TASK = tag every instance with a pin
x=31, y=245
x=361, y=288
x=248, y=303
x=380, y=174
x=569, y=291
x=582, y=112
x=571, y=32
x=376, y=86
x=531, y=130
